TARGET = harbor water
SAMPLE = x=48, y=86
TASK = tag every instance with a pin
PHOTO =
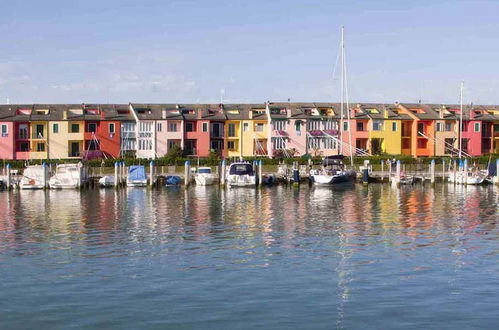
x=351, y=257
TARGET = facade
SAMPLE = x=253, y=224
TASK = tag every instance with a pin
x=169, y=130
x=418, y=129
x=196, y=130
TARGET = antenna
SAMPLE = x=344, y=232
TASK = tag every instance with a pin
x=461, y=120
x=222, y=93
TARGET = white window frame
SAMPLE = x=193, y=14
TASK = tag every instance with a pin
x=394, y=125
x=204, y=127
x=479, y=128
x=112, y=131
x=6, y=132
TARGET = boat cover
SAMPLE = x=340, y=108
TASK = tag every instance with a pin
x=241, y=169
x=137, y=173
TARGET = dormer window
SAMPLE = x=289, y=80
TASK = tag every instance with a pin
x=42, y=111
x=92, y=111
x=372, y=111
x=233, y=112
x=76, y=112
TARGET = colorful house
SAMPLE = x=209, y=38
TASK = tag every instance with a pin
x=7, y=134
x=214, y=113
x=419, y=130
x=169, y=129
x=233, y=138
x=108, y=131
x=39, y=119
x=196, y=130
x=254, y=134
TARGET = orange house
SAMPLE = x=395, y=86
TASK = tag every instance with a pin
x=421, y=126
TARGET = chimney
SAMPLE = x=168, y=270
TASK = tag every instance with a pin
x=65, y=114
x=163, y=114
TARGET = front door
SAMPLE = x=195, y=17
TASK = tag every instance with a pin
x=75, y=149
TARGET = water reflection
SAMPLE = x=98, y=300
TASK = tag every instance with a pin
x=341, y=249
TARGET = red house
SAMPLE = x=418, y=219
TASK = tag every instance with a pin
x=197, y=130
x=102, y=131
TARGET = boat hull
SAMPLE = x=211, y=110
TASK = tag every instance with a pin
x=320, y=179
x=241, y=181
x=204, y=180
x=141, y=183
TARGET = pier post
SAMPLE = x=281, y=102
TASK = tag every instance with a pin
x=432, y=171
x=296, y=174
x=455, y=171
x=187, y=173
x=222, y=173
x=383, y=171
x=465, y=176
x=260, y=171
x=44, y=165
x=398, y=173
x=443, y=170
x=496, y=177
x=116, y=175
x=9, y=178
x=390, y=171
x=151, y=173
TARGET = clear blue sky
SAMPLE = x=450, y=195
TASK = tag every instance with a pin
x=187, y=51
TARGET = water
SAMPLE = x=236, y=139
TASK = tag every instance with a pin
x=314, y=257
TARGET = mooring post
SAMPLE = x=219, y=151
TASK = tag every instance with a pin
x=222, y=173
x=260, y=171
x=382, y=170
x=496, y=177
x=44, y=166
x=390, y=170
x=454, y=174
x=187, y=173
x=432, y=171
x=151, y=173
x=443, y=170
x=296, y=174
x=398, y=173
x=116, y=175
x=9, y=179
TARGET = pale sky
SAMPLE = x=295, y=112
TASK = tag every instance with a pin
x=123, y=51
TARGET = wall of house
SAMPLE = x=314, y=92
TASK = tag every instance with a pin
x=202, y=138
x=22, y=155
x=146, y=139
x=163, y=136
x=34, y=140
x=59, y=143
x=237, y=139
x=110, y=144
x=297, y=139
x=474, y=138
x=440, y=136
x=249, y=137
x=7, y=147
x=392, y=140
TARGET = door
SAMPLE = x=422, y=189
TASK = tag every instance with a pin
x=39, y=132
x=75, y=149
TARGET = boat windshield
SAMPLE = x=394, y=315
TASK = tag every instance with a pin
x=204, y=171
x=241, y=169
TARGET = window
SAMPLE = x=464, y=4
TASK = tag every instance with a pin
x=232, y=130
x=477, y=127
x=448, y=127
x=329, y=125
x=189, y=127
x=205, y=127
x=329, y=143
x=298, y=128
x=40, y=147
x=111, y=128
x=231, y=145
x=314, y=143
x=55, y=128
x=465, y=145
x=449, y=146
x=217, y=130
x=464, y=127
x=439, y=127
x=420, y=129
x=496, y=127
x=159, y=127
x=217, y=145
x=377, y=125
x=259, y=127
x=279, y=125
x=394, y=126
x=74, y=128
x=5, y=132
x=245, y=127
x=422, y=143
x=24, y=146
x=313, y=125
x=172, y=127
x=23, y=131
x=92, y=127
x=360, y=126
x=345, y=126
x=406, y=144
x=173, y=143
x=38, y=132
x=278, y=144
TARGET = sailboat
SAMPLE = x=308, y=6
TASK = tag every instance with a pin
x=333, y=169
x=465, y=175
x=34, y=177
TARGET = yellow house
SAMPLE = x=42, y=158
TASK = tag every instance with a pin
x=254, y=133
x=385, y=130
x=67, y=133
x=39, y=147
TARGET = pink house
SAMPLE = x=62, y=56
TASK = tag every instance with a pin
x=477, y=132
x=6, y=138
x=169, y=130
x=15, y=131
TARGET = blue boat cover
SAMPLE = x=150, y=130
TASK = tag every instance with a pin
x=136, y=173
x=172, y=180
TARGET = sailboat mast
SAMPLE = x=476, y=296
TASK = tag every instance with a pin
x=461, y=121
x=348, y=105
x=341, y=87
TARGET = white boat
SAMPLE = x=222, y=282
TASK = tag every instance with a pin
x=204, y=176
x=241, y=174
x=333, y=171
x=461, y=177
x=34, y=177
x=69, y=176
x=136, y=176
x=107, y=181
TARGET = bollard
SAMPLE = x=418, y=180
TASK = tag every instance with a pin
x=260, y=170
x=496, y=177
x=443, y=170
x=382, y=170
x=151, y=173
x=465, y=176
x=187, y=173
x=398, y=172
x=390, y=170
x=296, y=174
x=365, y=175
x=9, y=179
x=44, y=166
x=455, y=171
x=116, y=175
x=222, y=173
x=432, y=171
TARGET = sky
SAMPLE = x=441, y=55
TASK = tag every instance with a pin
x=197, y=51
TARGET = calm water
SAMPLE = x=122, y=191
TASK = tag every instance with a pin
x=316, y=258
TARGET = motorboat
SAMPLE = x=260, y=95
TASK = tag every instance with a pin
x=34, y=177
x=462, y=177
x=69, y=176
x=136, y=176
x=204, y=176
x=241, y=174
x=107, y=181
x=333, y=171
